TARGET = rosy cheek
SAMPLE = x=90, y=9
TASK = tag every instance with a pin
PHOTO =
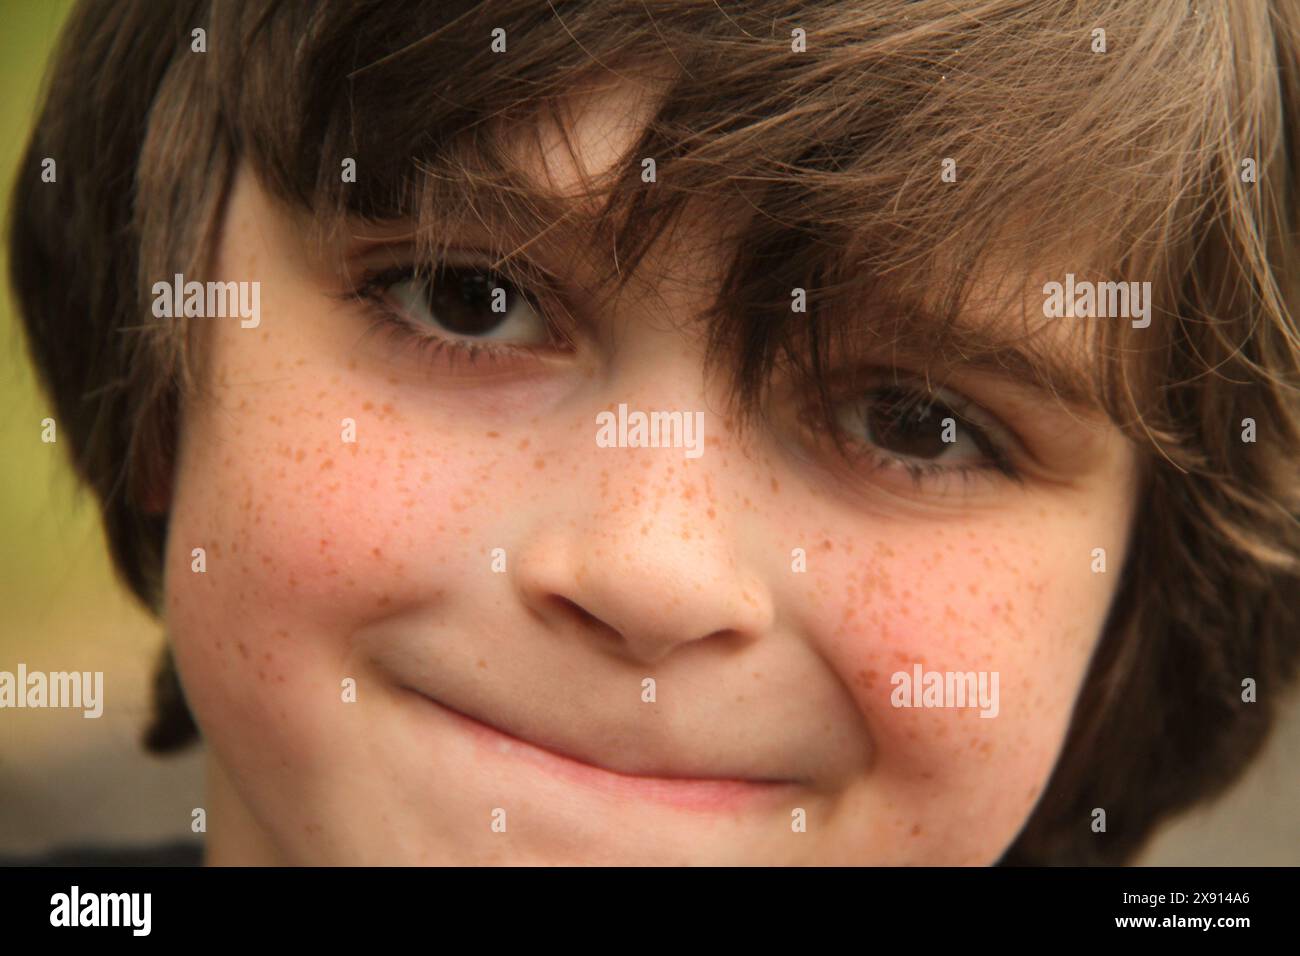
x=981, y=600
x=308, y=536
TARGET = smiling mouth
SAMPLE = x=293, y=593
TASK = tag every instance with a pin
x=708, y=794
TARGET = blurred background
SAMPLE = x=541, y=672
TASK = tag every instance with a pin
x=67, y=780
x=63, y=778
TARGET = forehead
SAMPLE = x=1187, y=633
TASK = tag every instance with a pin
x=601, y=119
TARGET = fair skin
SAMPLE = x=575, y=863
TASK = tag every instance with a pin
x=373, y=561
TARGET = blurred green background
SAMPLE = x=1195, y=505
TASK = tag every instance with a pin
x=63, y=778
x=67, y=780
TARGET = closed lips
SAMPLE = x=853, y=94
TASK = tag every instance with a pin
x=701, y=793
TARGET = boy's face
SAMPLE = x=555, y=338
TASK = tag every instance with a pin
x=375, y=561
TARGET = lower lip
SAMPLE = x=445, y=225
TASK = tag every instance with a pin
x=705, y=795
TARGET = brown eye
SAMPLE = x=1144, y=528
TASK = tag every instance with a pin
x=913, y=425
x=908, y=424
x=471, y=303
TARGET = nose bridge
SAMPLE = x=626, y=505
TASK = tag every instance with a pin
x=646, y=552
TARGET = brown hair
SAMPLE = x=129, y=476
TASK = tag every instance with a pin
x=829, y=158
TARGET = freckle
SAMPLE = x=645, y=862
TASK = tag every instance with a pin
x=539, y=464
x=776, y=487
x=376, y=552
x=757, y=675
x=367, y=406
x=712, y=514
x=281, y=633
x=493, y=434
x=482, y=663
x=243, y=649
x=261, y=674
x=916, y=829
x=686, y=535
x=383, y=601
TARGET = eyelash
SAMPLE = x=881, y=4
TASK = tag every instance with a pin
x=997, y=465
x=372, y=291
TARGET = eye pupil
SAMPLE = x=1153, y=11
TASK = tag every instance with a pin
x=906, y=424
x=461, y=300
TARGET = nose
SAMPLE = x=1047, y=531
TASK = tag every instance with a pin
x=645, y=557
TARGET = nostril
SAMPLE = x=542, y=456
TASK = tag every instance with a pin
x=565, y=608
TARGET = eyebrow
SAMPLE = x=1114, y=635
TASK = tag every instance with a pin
x=507, y=240
x=925, y=341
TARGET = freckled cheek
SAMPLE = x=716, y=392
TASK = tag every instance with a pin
x=339, y=529
x=959, y=613
x=308, y=537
